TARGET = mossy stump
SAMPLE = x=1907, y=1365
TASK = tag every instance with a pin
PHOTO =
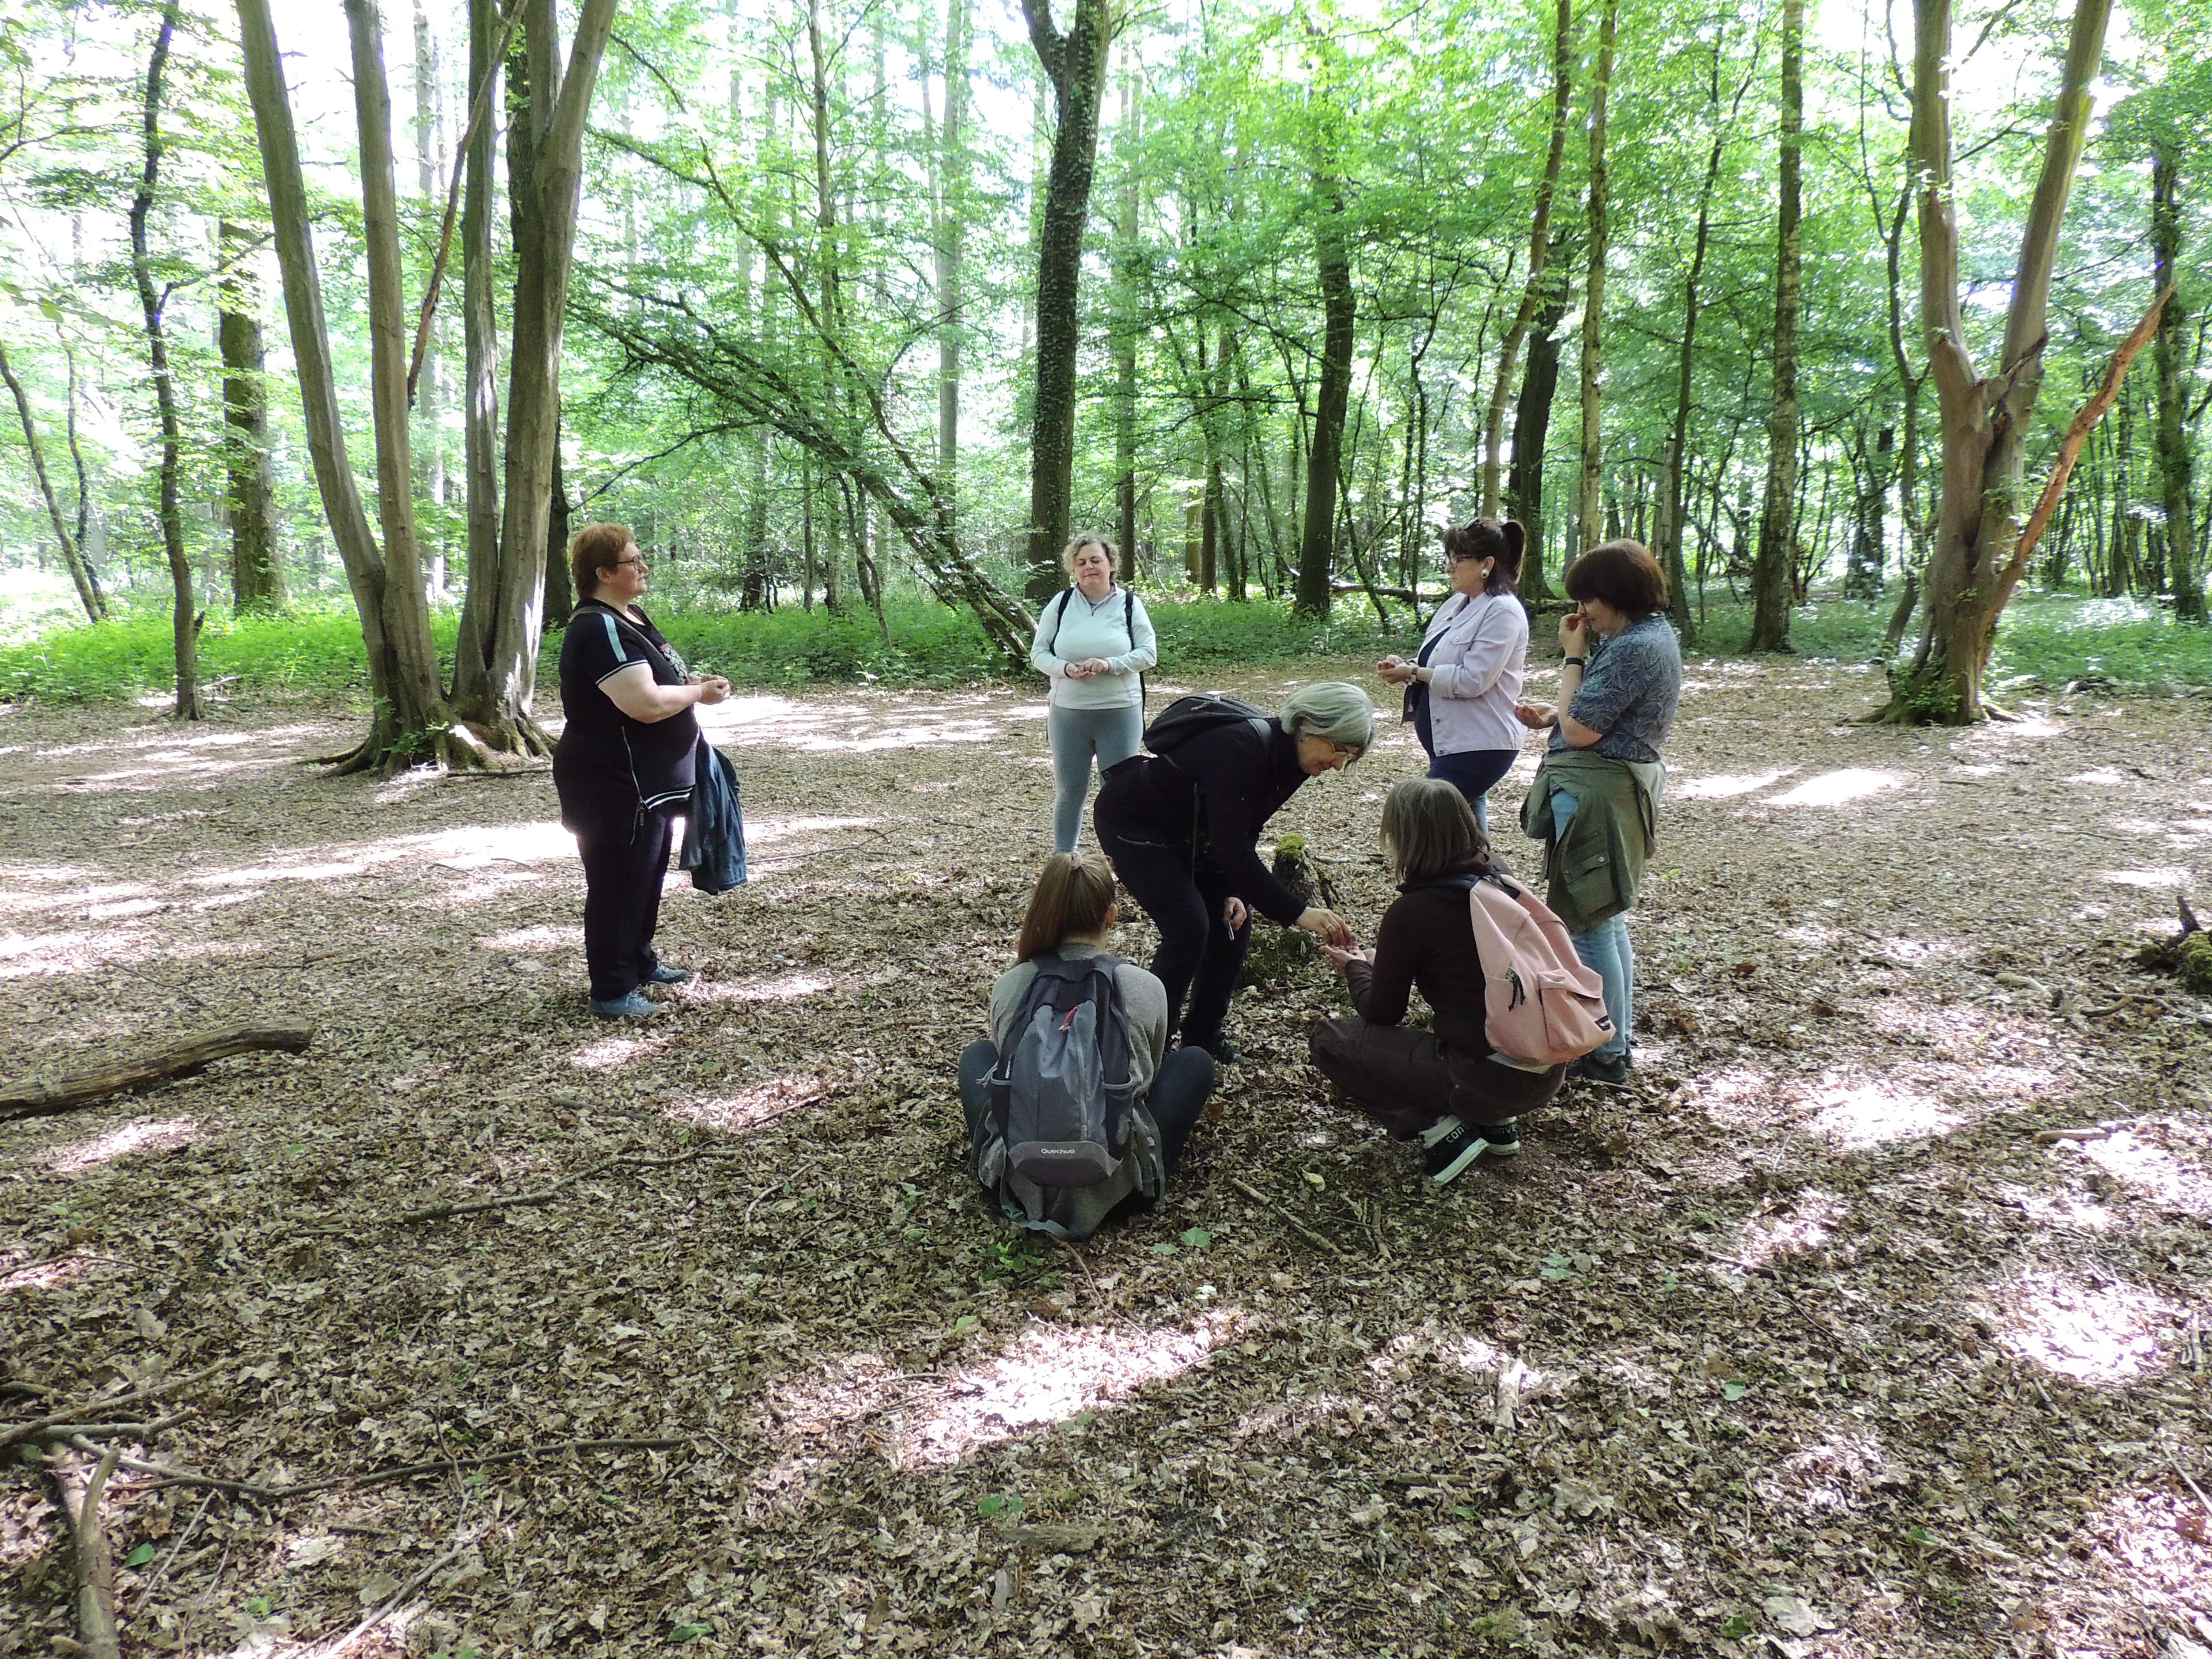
x=1282, y=956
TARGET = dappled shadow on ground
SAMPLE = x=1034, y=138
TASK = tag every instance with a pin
x=1804, y=1344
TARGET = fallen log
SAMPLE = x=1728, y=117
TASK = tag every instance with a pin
x=94, y=1566
x=44, y=1094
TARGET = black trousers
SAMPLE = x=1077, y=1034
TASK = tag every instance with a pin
x=623, y=874
x=1407, y=1080
x=1175, y=1099
x=1200, y=957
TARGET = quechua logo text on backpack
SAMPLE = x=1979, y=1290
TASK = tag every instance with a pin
x=1063, y=1098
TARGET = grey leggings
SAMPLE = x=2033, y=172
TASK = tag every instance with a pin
x=1076, y=734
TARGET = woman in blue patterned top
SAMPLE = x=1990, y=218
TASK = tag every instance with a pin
x=1595, y=801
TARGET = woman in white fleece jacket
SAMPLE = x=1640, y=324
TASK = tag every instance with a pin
x=1094, y=643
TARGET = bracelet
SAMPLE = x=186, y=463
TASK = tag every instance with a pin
x=1573, y=662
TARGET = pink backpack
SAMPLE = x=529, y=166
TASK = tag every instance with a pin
x=1542, y=1007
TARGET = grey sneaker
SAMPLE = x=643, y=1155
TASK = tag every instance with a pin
x=662, y=974
x=632, y=1006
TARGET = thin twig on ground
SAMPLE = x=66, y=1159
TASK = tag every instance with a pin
x=176, y=1477
x=383, y=1609
x=1296, y=1225
x=15, y=1433
x=170, y=1559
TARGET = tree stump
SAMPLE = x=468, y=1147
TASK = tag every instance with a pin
x=1281, y=956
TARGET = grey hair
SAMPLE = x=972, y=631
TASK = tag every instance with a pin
x=1076, y=543
x=1332, y=711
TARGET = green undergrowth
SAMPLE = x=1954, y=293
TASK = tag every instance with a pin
x=2046, y=642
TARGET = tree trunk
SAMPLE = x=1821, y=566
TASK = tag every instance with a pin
x=1532, y=427
x=184, y=625
x=1075, y=64
x=559, y=581
x=1588, y=530
x=1972, y=570
x=1869, y=528
x=430, y=393
x=1540, y=241
x=87, y=586
x=952, y=245
x=1773, y=566
x=1126, y=325
x=257, y=571
x=2171, y=444
x=480, y=346
x=1325, y=456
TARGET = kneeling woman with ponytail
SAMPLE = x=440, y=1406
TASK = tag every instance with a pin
x=1071, y=913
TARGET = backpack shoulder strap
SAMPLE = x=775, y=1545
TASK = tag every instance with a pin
x=1059, y=615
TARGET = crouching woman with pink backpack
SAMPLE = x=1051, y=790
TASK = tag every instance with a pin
x=1512, y=1004
x=1076, y=1111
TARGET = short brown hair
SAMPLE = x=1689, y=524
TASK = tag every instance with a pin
x=1429, y=829
x=1622, y=575
x=1076, y=546
x=597, y=547
x=1073, y=895
x=1486, y=538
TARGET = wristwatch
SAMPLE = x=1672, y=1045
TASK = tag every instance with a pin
x=1574, y=662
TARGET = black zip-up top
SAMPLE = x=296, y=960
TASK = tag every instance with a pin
x=609, y=768
x=1215, y=795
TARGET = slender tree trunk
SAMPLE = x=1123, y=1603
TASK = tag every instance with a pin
x=480, y=390
x=1772, y=568
x=952, y=245
x=831, y=298
x=1540, y=241
x=87, y=586
x=1532, y=427
x=1075, y=64
x=256, y=571
x=2175, y=483
x=1325, y=457
x=1972, y=568
x=1589, y=525
x=185, y=617
x=1126, y=325
x=431, y=395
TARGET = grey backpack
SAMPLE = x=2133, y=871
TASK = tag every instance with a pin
x=1063, y=1101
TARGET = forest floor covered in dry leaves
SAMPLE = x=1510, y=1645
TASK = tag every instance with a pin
x=1804, y=1344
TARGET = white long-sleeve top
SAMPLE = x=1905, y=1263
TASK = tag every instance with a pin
x=1072, y=628
x=1477, y=666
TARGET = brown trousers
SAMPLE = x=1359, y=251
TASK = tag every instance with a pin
x=1407, y=1080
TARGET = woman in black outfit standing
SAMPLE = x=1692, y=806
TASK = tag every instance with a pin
x=623, y=764
x=1182, y=833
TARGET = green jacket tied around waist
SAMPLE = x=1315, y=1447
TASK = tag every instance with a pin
x=1594, y=870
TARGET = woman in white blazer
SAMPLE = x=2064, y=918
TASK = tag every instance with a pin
x=1460, y=689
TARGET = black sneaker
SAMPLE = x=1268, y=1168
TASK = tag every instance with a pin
x=1444, y=1160
x=1601, y=1068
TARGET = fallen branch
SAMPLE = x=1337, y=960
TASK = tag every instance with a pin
x=44, y=1094
x=176, y=1477
x=95, y=1565
x=1299, y=1227
x=110, y=1430
x=15, y=1433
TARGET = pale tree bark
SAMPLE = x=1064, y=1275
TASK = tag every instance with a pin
x=1590, y=525
x=952, y=244
x=80, y=574
x=480, y=359
x=257, y=570
x=1772, y=566
x=430, y=392
x=1075, y=63
x=1126, y=324
x=1540, y=242
x=1316, y=546
x=186, y=624
x=2171, y=442
x=1971, y=570
x=830, y=297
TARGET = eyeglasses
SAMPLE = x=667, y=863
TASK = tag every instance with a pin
x=636, y=559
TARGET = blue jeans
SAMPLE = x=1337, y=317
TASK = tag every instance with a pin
x=1076, y=734
x=1472, y=772
x=1605, y=950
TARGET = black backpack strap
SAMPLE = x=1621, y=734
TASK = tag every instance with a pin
x=1052, y=645
x=1129, y=627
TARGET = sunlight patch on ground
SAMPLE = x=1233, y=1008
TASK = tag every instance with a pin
x=2154, y=1172
x=760, y=832
x=534, y=940
x=1726, y=786
x=2070, y=1210
x=2177, y=834
x=478, y=845
x=784, y=987
x=749, y=1108
x=1875, y=1114
x=2150, y=1539
x=53, y=1275
x=22, y=955
x=1455, y=1350
x=1836, y=788
x=1946, y=1023
x=102, y=900
x=613, y=1053
x=2165, y=876
x=1831, y=1477
x=1732, y=1094
x=1794, y=1226
x=2103, y=777
x=1907, y=951
x=1290, y=1420
x=275, y=872
x=2096, y=1334
x=144, y=1135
